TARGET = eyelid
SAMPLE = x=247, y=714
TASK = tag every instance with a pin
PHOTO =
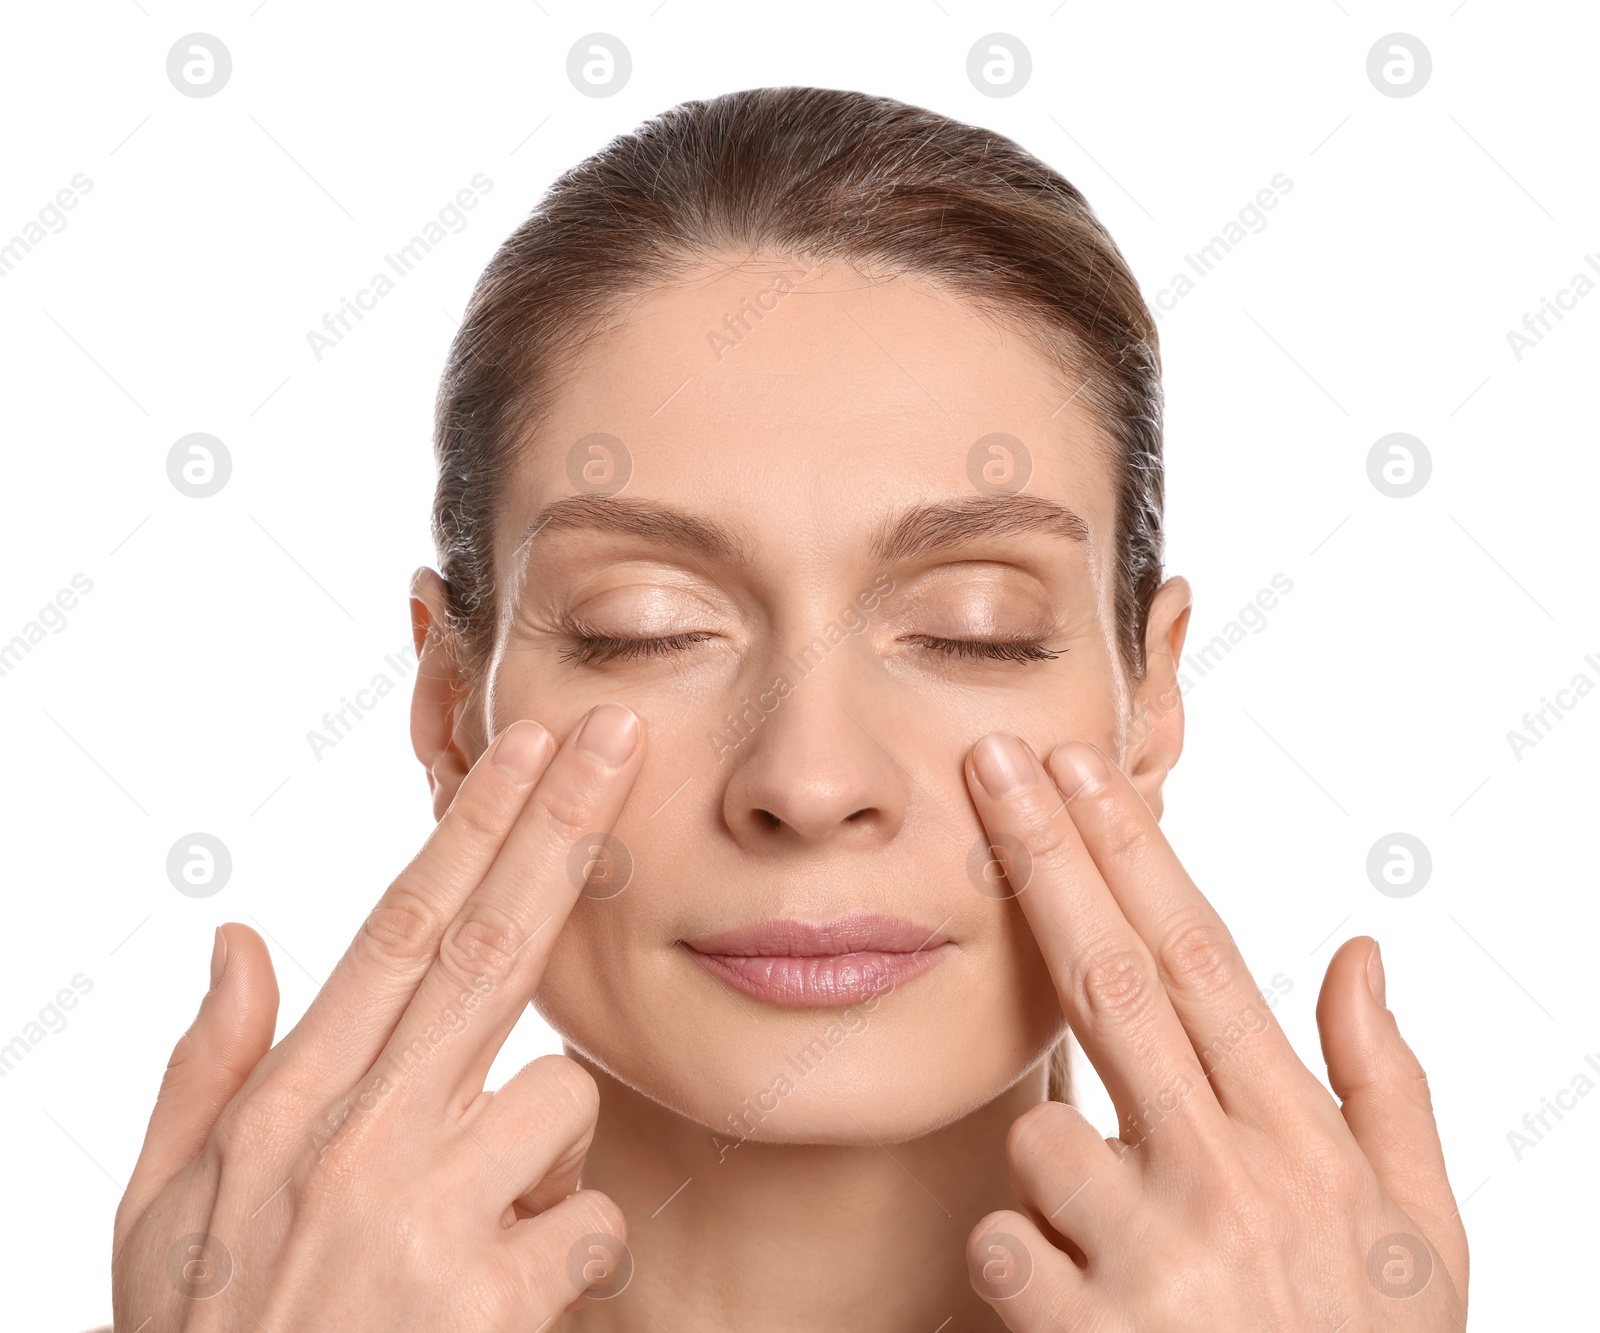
x=1020, y=648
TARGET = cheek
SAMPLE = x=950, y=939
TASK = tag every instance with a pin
x=572, y=997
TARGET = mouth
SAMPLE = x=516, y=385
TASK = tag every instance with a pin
x=838, y=962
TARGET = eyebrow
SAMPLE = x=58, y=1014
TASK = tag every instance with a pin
x=917, y=530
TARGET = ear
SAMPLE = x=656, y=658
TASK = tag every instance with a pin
x=438, y=694
x=1155, y=729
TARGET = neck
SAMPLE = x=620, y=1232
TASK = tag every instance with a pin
x=731, y=1235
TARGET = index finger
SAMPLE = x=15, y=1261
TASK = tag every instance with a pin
x=1104, y=973
x=1244, y=1051
x=492, y=955
x=355, y=1012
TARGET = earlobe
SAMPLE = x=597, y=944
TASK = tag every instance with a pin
x=1155, y=729
x=437, y=692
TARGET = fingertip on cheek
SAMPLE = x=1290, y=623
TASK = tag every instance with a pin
x=1004, y=765
x=1079, y=769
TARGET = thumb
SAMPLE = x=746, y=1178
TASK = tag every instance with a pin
x=210, y=1063
x=1384, y=1097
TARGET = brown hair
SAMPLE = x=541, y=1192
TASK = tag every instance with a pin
x=825, y=173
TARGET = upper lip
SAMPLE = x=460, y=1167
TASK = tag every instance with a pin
x=787, y=938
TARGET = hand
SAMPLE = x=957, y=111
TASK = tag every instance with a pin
x=1239, y=1196
x=356, y=1175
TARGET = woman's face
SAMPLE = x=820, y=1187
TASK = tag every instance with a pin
x=804, y=509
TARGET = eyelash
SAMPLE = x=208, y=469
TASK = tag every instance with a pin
x=598, y=648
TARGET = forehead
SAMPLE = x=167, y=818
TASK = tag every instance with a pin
x=800, y=400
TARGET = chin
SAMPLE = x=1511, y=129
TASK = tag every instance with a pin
x=887, y=1068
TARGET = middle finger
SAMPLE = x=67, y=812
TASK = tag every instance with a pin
x=1105, y=977
x=492, y=956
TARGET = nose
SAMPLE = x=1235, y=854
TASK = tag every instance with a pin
x=815, y=763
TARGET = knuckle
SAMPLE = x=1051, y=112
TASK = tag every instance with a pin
x=1339, y=1175
x=1197, y=956
x=483, y=943
x=568, y=807
x=476, y=819
x=246, y=1126
x=401, y=928
x=1122, y=836
x=1116, y=989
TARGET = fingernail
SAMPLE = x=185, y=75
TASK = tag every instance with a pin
x=1079, y=769
x=521, y=748
x=1375, y=977
x=219, y=958
x=609, y=733
x=1003, y=763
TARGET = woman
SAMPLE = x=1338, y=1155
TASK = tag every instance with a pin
x=797, y=689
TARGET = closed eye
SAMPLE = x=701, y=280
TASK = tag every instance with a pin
x=599, y=648
x=606, y=648
x=999, y=650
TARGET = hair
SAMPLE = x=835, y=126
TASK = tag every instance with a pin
x=825, y=173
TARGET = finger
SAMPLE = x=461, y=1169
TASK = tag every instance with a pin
x=1023, y=1276
x=1246, y=1056
x=493, y=953
x=1066, y=1172
x=578, y=1247
x=1383, y=1094
x=530, y=1138
x=209, y=1064
x=354, y=1014
x=1104, y=975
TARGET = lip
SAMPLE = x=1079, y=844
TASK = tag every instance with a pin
x=843, y=961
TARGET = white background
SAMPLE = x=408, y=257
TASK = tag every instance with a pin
x=1378, y=698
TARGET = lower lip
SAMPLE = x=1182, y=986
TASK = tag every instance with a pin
x=827, y=979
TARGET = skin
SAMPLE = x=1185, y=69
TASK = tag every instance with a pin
x=911, y=1178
